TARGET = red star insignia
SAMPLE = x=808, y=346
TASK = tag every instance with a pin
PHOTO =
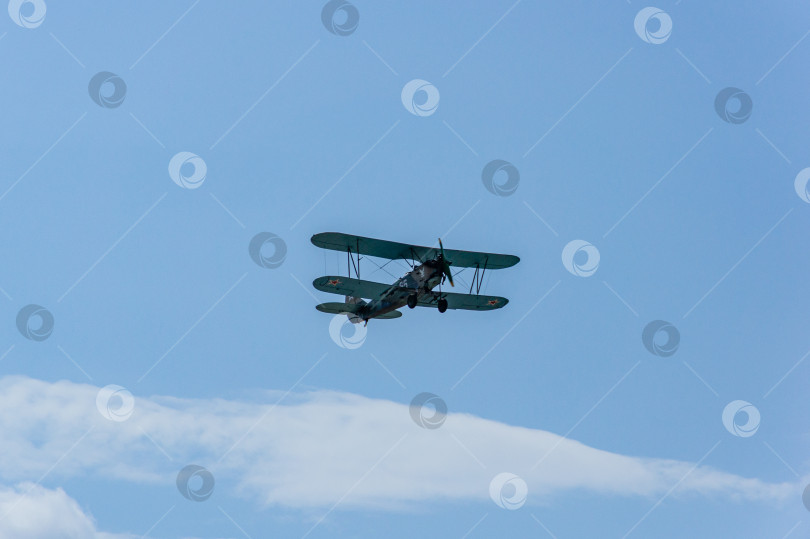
x=333, y=282
x=493, y=302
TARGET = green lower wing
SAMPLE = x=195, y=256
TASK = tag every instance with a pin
x=346, y=286
x=467, y=302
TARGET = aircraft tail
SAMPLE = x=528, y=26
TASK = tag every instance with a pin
x=352, y=310
x=351, y=300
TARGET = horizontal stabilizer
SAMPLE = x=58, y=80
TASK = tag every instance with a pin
x=339, y=308
x=352, y=308
x=388, y=315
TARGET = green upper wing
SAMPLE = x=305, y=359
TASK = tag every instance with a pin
x=346, y=286
x=393, y=250
x=469, y=302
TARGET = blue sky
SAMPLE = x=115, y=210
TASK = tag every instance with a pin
x=617, y=142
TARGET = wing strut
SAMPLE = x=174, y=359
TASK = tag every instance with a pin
x=414, y=258
x=478, y=277
x=350, y=261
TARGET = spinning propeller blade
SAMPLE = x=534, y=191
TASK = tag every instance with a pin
x=445, y=264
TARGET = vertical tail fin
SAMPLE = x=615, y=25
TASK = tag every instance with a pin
x=351, y=300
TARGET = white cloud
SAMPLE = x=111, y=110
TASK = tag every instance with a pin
x=30, y=511
x=320, y=447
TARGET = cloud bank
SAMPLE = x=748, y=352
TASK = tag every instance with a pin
x=318, y=449
x=30, y=511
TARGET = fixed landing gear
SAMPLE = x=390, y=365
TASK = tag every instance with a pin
x=442, y=305
x=412, y=301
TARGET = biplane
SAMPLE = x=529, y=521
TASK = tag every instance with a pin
x=430, y=267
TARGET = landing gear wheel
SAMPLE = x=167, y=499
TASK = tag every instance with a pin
x=412, y=301
x=442, y=305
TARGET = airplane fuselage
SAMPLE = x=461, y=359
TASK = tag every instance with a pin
x=420, y=281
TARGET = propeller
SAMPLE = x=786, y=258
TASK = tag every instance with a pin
x=445, y=265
